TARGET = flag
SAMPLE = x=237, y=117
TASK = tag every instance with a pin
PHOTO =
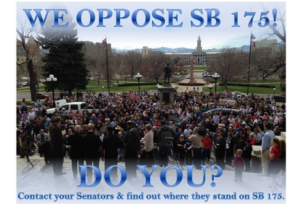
x=252, y=36
x=252, y=43
x=104, y=43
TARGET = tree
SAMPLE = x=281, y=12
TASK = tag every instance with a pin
x=228, y=64
x=279, y=58
x=132, y=60
x=153, y=66
x=24, y=34
x=94, y=66
x=65, y=59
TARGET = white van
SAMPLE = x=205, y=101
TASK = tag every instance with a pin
x=72, y=105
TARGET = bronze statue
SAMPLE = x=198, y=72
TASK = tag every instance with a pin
x=167, y=71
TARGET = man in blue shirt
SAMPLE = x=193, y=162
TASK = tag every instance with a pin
x=266, y=144
x=94, y=119
x=216, y=118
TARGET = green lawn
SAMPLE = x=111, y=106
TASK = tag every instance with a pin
x=94, y=87
x=255, y=81
x=123, y=88
x=243, y=89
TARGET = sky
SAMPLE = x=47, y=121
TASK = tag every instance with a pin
x=130, y=36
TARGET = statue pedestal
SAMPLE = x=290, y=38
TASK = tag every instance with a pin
x=166, y=92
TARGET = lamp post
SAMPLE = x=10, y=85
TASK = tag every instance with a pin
x=274, y=90
x=52, y=79
x=210, y=87
x=216, y=77
x=138, y=76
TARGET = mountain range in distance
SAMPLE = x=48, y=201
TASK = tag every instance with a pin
x=187, y=50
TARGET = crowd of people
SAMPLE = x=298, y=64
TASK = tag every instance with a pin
x=138, y=128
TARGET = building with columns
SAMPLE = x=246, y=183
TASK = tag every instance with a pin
x=200, y=57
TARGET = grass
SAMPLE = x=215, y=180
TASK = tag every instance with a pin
x=94, y=87
x=243, y=89
x=123, y=88
x=256, y=81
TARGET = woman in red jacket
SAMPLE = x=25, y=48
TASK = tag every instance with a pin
x=252, y=140
x=207, y=145
x=274, y=167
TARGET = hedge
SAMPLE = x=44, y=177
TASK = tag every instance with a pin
x=191, y=84
x=250, y=85
x=141, y=84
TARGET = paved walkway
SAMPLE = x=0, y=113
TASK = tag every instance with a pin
x=189, y=88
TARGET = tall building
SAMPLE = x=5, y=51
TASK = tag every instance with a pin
x=146, y=52
x=199, y=48
x=91, y=49
x=200, y=57
x=271, y=44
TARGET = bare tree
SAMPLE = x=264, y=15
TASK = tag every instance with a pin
x=279, y=61
x=153, y=66
x=23, y=35
x=132, y=60
x=227, y=64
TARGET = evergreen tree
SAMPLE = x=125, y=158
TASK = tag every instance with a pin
x=65, y=60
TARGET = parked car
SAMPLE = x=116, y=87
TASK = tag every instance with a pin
x=279, y=98
x=225, y=111
x=237, y=94
x=26, y=84
x=72, y=105
x=42, y=95
x=65, y=93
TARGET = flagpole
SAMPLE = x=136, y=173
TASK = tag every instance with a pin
x=107, y=71
x=249, y=64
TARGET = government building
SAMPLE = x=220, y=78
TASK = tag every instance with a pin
x=200, y=57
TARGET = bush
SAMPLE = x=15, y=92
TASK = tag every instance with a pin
x=136, y=84
x=250, y=85
x=191, y=84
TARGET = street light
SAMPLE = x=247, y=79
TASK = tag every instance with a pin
x=52, y=79
x=216, y=77
x=138, y=76
x=274, y=90
x=210, y=87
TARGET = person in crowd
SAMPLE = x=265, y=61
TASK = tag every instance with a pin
x=197, y=146
x=57, y=146
x=247, y=155
x=147, y=140
x=282, y=161
x=274, y=167
x=238, y=164
x=75, y=141
x=164, y=135
x=220, y=148
x=207, y=143
x=42, y=140
x=257, y=136
x=180, y=147
x=91, y=149
x=132, y=146
x=230, y=141
x=267, y=137
x=111, y=144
